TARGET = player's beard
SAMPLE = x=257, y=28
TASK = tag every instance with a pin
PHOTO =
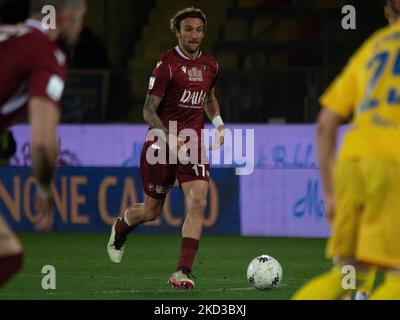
x=189, y=49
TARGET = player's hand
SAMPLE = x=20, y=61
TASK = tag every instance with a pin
x=330, y=207
x=181, y=149
x=219, y=138
x=45, y=208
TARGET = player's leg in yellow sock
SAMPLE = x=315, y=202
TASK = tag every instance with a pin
x=390, y=288
x=365, y=283
x=327, y=286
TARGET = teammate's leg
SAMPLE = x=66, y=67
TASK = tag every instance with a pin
x=380, y=241
x=195, y=193
x=11, y=253
x=390, y=288
x=132, y=218
x=365, y=283
x=324, y=287
x=329, y=285
x=343, y=241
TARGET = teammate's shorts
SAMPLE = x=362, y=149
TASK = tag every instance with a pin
x=158, y=179
x=367, y=221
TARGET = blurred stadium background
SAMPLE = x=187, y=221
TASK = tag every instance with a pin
x=276, y=58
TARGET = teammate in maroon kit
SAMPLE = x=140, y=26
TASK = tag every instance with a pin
x=181, y=88
x=32, y=76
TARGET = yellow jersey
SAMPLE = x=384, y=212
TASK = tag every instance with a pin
x=369, y=90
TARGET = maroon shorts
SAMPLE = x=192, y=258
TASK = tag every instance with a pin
x=158, y=179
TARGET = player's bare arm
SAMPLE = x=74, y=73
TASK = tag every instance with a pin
x=44, y=117
x=212, y=106
x=212, y=110
x=150, y=113
x=328, y=122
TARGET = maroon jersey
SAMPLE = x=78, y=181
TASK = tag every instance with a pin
x=31, y=65
x=183, y=84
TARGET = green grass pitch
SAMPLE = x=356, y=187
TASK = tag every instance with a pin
x=83, y=270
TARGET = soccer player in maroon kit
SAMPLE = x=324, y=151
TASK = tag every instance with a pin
x=181, y=89
x=32, y=76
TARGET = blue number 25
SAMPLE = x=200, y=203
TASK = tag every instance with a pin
x=393, y=97
x=380, y=62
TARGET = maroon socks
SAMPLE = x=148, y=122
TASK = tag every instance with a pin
x=189, y=248
x=9, y=266
x=122, y=229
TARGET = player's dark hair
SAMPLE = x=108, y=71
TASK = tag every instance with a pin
x=191, y=12
x=37, y=5
x=392, y=6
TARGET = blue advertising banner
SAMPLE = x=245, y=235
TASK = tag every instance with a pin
x=89, y=199
x=284, y=203
x=282, y=196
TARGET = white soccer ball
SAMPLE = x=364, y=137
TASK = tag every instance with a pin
x=264, y=272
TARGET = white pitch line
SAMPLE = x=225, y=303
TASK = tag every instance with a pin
x=167, y=291
x=172, y=290
x=137, y=291
x=151, y=291
x=96, y=277
x=183, y=291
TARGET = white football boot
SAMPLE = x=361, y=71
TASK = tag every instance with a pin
x=115, y=247
x=181, y=280
x=362, y=295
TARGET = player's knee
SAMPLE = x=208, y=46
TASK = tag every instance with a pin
x=197, y=203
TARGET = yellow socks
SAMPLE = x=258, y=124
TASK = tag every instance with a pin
x=327, y=286
x=365, y=284
x=390, y=288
